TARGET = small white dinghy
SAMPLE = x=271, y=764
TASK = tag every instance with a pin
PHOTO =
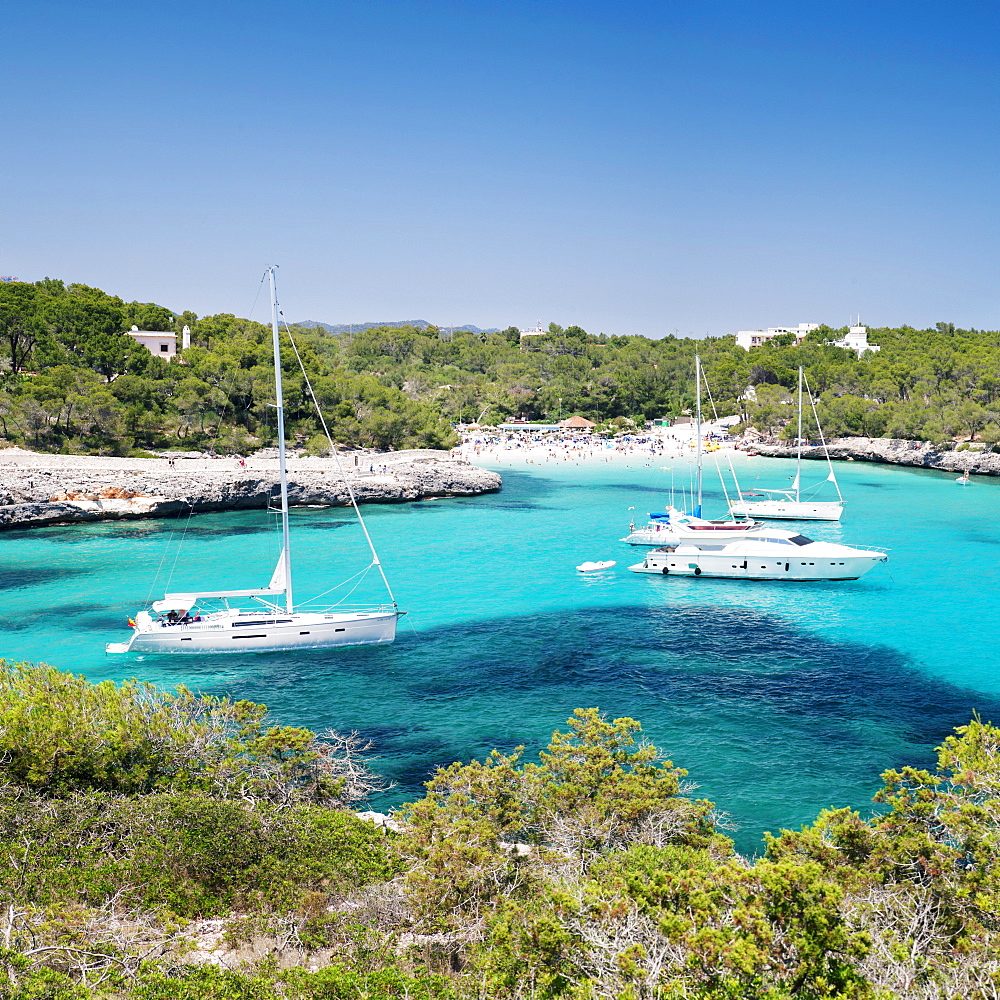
x=595, y=567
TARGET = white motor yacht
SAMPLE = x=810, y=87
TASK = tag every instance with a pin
x=764, y=557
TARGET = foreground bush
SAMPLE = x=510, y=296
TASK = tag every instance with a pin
x=60, y=734
x=587, y=873
x=210, y=983
x=182, y=854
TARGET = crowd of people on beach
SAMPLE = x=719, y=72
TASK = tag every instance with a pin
x=531, y=448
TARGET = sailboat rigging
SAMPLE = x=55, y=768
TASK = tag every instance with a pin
x=756, y=552
x=220, y=621
x=789, y=503
x=673, y=525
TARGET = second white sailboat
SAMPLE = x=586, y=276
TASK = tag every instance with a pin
x=789, y=504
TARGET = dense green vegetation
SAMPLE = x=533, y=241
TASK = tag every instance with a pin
x=939, y=385
x=130, y=817
x=934, y=385
x=71, y=380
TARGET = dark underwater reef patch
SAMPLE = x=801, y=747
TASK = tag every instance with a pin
x=755, y=680
x=17, y=577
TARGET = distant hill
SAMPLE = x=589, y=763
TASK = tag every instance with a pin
x=420, y=324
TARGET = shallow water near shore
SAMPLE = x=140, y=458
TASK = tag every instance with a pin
x=779, y=698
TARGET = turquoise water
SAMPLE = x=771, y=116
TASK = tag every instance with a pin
x=779, y=698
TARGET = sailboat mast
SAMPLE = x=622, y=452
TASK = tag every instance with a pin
x=697, y=375
x=798, y=462
x=286, y=552
x=831, y=476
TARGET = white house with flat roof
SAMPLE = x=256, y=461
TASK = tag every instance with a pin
x=754, y=338
x=161, y=344
x=856, y=340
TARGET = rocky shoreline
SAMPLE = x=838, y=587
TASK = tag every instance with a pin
x=892, y=451
x=38, y=490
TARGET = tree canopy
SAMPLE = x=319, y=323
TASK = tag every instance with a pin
x=72, y=379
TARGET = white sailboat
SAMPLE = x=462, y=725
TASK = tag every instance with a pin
x=789, y=503
x=674, y=525
x=260, y=618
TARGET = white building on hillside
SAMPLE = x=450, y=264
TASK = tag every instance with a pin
x=754, y=338
x=538, y=331
x=163, y=345
x=857, y=340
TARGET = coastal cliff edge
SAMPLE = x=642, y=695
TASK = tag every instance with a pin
x=42, y=489
x=892, y=451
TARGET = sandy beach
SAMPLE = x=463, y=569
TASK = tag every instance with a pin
x=520, y=449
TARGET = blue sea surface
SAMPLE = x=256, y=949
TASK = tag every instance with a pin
x=780, y=699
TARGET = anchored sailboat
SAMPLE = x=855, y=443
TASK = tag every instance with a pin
x=790, y=504
x=674, y=525
x=221, y=621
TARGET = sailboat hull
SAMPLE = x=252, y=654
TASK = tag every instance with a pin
x=791, y=510
x=235, y=633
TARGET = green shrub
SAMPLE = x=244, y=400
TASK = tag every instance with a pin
x=20, y=980
x=331, y=983
x=61, y=734
x=182, y=853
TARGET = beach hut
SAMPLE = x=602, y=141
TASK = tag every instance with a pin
x=577, y=423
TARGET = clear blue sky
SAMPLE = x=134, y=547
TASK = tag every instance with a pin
x=639, y=168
